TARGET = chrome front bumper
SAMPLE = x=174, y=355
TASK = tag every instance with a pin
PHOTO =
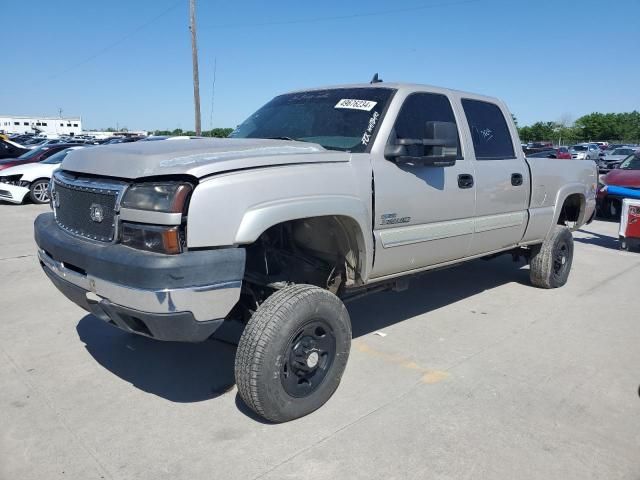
x=204, y=302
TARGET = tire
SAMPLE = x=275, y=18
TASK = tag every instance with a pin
x=551, y=261
x=293, y=352
x=39, y=191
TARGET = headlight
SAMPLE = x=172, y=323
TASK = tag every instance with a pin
x=169, y=197
x=152, y=238
x=11, y=179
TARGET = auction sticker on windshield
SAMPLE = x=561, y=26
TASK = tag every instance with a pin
x=354, y=104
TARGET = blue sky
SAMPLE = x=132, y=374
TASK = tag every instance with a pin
x=128, y=63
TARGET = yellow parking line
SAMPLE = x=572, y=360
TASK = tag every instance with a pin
x=429, y=376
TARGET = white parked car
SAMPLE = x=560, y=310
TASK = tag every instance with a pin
x=31, y=179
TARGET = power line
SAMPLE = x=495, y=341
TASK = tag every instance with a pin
x=345, y=17
x=117, y=42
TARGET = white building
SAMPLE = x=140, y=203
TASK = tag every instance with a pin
x=45, y=125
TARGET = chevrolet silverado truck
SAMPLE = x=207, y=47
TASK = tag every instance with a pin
x=320, y=196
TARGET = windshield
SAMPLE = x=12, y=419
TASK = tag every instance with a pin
x=622, y=151
x=31, y=153
x=578, y=148
x=58, y=157
x=338, y=119
x=632, y=162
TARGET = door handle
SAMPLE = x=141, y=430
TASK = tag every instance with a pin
x=516, y=179
x=465, y=180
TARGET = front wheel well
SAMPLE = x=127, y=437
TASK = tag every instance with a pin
x=45, y=179
x=325, y=251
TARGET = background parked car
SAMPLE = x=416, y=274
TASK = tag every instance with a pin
x=561, y=153
x=34, y=155
x=9, y=149
x=614, y=158
x=585, y=151
x=31, y=179
x=536, y=147
x=626, y=175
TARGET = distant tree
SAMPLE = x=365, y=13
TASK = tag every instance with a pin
x=218, y=132
x=618, y=127
x=215, y=132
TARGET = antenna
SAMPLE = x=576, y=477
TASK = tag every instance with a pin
x=376, y=79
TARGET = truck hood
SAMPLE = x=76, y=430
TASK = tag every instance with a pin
x=196, y=157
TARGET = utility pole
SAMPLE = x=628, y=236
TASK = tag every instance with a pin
x=194, y=57
x=213, y=91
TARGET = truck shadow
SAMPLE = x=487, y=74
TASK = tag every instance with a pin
x=605, y=241
x=185, y=373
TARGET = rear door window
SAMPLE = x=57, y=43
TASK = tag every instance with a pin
x=489, y=130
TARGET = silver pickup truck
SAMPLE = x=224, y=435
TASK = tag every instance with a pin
x=319, y=196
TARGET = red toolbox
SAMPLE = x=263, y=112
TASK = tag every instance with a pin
x=630, y=224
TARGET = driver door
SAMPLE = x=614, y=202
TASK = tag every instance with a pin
x=424, y=215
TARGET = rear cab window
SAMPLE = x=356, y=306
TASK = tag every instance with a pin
x=489, y=130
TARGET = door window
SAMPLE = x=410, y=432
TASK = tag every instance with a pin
x=489, y=130
x=419, y=109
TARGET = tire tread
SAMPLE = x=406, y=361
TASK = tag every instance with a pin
x=259, y=333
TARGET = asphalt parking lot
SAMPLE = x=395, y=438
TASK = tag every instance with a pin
x=479, y=375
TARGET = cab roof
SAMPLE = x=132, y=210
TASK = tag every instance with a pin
x=406, y=88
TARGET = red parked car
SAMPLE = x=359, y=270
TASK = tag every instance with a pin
x=626, y=175
x=561, y=153
x=35, y=155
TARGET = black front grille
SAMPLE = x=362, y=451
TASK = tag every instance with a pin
x=85, y=211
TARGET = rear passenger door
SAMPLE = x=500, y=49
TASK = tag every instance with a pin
x=502, y=178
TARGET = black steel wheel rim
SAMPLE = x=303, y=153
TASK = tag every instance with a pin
x=561, y=258
x=308, y=357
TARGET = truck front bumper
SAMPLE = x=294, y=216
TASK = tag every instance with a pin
x=183, y=297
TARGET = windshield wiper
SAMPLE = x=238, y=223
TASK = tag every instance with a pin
x=284, y=138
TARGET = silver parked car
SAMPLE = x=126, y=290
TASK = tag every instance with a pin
x=613, y=158
x=585, y=151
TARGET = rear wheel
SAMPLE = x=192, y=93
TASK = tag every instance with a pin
x=39, y=191
x=293, y=352
x=551, y=261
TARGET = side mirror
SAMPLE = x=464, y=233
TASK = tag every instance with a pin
x=439, y=147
